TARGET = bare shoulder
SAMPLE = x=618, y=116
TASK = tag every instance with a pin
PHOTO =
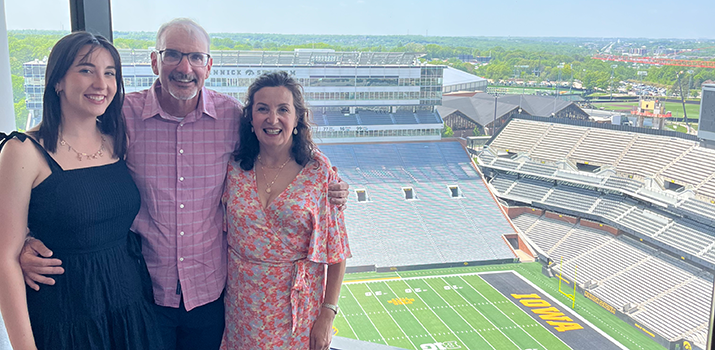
x=20, y=157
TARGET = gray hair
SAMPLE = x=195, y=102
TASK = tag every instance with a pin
x=189, y=25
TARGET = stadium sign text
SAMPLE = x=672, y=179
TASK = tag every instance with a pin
x=598, y=301
x=243, y=72
x=545, y=311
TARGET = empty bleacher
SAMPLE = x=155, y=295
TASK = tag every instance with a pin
x=538, y=169
x=387, y=230
x=671, y=297
x=531, y=189
x=687, y=236
x=683, y=304
x=545, y=233
x=574, y=198
x=557, y=143
x=602, y=147
x=623, y=184
x=519, y=136
x=503, y=182
x=613, y=206
x=505, y=163
x=640, y=220
x=693, y=168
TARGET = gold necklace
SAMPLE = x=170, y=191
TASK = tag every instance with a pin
x=94, y=155
x=280, y=168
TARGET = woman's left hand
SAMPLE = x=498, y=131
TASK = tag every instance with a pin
x=322, y=332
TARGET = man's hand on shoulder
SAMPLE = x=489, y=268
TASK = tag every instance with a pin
x=338, y=192
x=36, y=263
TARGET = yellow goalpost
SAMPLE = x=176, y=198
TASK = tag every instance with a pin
x=570, y=296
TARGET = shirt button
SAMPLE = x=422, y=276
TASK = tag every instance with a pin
x=181, y=206
x=181, y=178
x=181, y=151
x=181, y=233
x=181, y=124
x=181, y=259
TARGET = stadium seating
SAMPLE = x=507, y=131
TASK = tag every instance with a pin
x=602, y=147
x=531, y=189
x=671, y=297
x=519, y=136
x=388, y=230
x=571, y=197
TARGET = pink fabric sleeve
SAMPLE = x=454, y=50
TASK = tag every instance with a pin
x=329, y=242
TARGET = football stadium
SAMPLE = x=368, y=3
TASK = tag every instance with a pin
x=558, y=233
x=619, y=221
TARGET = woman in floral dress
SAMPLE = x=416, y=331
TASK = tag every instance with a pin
x=287, y=244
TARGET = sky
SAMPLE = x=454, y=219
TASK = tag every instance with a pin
x=515, y=18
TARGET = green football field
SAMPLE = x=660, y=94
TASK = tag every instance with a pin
x=460, y=311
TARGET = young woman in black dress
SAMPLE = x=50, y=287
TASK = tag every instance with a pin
x=67, y=182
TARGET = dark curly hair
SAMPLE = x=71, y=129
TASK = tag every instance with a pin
x=248, y=146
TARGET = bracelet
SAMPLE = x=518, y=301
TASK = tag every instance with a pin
x=333, y=308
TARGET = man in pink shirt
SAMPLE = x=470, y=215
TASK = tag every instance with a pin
x=181, y=136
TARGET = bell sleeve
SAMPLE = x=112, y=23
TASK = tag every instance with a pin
x=329, y=240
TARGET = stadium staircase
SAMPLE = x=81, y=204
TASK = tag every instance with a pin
x=625, y=150
x=667, y=291
x=562, y=240
x=595, y=204
x=675, y=160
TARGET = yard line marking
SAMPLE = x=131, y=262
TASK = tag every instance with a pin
x=366, y=315
x=393, y=319
x=413, y=315
x=510, y=319
x=470, y=325
x=371, y=280
x=445, y=324
x=348, y=322
x=425, y=277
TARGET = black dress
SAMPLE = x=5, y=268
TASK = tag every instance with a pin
x=100, y=302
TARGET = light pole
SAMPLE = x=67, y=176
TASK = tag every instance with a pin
x=494, y=122
x=613, y=72
x=560, y=66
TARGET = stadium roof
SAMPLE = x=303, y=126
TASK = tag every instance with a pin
x=453, y=76
x=480, y=106
x=292, y=58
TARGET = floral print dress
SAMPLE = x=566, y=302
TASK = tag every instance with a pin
x=277, y=257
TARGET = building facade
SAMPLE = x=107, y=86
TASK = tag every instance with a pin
x=354, y=96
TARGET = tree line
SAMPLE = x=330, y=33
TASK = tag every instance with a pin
x=528, y=59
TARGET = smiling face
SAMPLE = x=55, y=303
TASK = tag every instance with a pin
x=181, y=81
x=89, y=85
x=274, y=117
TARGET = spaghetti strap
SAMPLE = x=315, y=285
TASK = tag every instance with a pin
x=54, y=166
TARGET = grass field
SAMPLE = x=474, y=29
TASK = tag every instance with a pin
x=415, y=310
x=675, y=108
x=458, y=309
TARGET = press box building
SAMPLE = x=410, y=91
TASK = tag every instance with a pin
x=354, y=96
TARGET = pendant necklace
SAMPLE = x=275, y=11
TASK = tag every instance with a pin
x=94, y=155
x=280, y=168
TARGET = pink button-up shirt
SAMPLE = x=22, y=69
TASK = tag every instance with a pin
x=180, y=169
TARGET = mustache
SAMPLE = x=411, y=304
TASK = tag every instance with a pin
x=181, y=76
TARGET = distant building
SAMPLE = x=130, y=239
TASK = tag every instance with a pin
x=464, y=113
x=354, y=96
x=706, y=124
x=457, y=80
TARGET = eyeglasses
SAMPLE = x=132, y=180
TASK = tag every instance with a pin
x=173, y=57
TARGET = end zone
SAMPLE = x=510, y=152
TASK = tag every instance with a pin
x=559, y=319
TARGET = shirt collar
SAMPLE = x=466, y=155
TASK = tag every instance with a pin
x=153, y=108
